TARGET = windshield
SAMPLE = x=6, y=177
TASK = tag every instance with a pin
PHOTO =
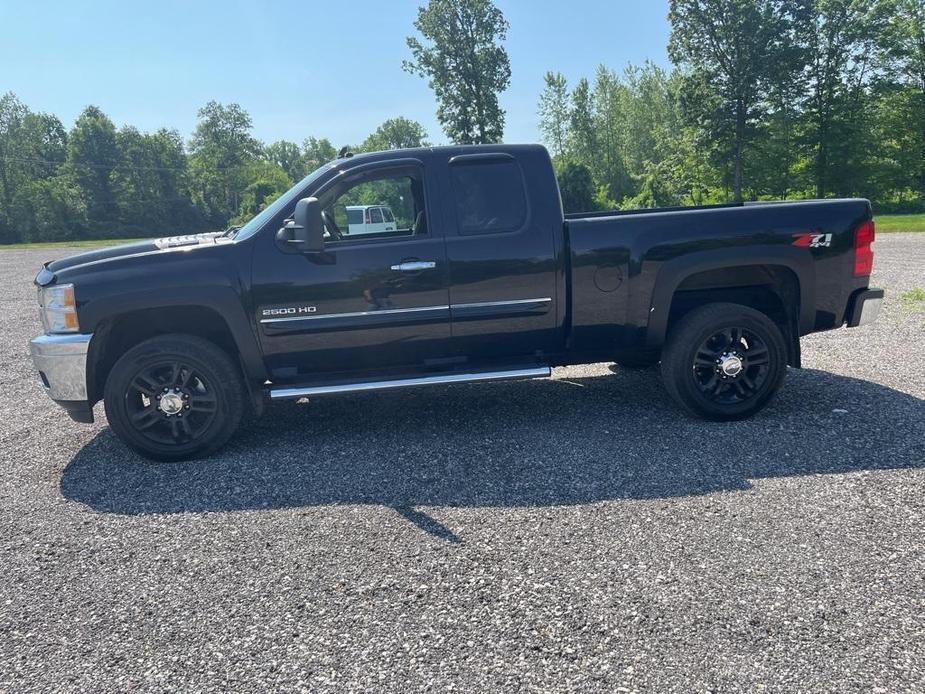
x=289, y=198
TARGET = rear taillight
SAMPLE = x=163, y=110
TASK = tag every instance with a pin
x=863, y=253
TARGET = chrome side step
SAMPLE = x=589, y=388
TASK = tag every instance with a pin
x=283, y=392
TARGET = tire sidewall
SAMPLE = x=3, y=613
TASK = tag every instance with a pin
x=694, y=331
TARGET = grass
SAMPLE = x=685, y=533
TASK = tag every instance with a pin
x=87, y=243
x=889, y=223
x=913, y=300
x=886, y=224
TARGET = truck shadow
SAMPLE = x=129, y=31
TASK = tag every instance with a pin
x=553, y=442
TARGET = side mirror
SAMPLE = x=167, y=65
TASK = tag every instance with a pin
x=304, y=232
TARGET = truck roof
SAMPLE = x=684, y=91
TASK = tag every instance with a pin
x=443, y=149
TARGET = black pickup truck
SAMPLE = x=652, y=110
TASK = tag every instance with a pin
x=442, y=265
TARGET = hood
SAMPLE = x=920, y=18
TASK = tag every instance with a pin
x=138, y=248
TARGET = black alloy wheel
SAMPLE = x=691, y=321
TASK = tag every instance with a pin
x=170, y=403
x=724, y=361
x=175, y=397
x=731, y=365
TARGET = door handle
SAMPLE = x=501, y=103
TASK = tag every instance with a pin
x=415, y=266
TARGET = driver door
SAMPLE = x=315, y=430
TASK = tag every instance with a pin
x=368, y=302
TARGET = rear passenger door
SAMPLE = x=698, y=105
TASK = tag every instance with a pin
x=501, y=260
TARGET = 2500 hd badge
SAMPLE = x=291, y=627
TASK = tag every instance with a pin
x=288, y=311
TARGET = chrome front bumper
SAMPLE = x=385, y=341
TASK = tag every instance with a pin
x=61, y=361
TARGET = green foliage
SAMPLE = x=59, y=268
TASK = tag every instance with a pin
x=53, y=209
x=396, y=133
x=221, y=152
x=267, y=182
x=288, y=157
x=97, y=181
x=465, y=64
x=554, y=112
x=654, y=191
x=733, y=53
x=770, y=99
x=92, y=158
x=576, y=186
x=316, y=152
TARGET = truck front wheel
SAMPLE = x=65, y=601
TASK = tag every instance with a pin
x=174, y=397
x=724, y=361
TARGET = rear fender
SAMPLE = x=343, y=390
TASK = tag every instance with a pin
x=673, y=272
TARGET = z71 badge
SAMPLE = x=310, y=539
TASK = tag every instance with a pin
x=288, y=311
x=813, y=240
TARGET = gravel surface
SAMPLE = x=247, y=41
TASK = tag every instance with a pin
x=573, y=534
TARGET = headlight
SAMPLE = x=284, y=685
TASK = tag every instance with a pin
x=58, y=308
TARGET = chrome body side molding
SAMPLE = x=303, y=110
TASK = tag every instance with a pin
x=283, y=393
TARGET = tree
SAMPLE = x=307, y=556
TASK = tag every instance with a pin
x=268, y=182
x=151, y=183
x=287, y=156
x=576, y=187
x=582, y=139
x=220, y=151
x=53, y=209
x=92, y=156
x=902, y=48
x=396, y=133
x=465, y=64
x=32, y=148
x=609, y=117
x=840, y=38
x=554, y=112
x=316, y=152
x=735, y=50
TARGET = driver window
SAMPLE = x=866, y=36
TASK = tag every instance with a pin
x=358, y=209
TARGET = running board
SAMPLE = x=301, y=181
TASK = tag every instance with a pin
x=286, y=392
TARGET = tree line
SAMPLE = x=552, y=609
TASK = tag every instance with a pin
x=766, y=99
x=99, y=181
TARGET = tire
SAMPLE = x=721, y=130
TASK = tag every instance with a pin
x=703, y=352
x=157, y=383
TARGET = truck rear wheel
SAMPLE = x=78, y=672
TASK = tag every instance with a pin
x=724, y=361
x=174, y=397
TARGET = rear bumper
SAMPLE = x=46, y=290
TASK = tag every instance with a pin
x=865, y=307
x=61, y=361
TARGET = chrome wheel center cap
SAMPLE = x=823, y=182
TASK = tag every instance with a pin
x=171, y=402
x=731, y=365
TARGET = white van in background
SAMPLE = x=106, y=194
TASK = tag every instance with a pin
x=369, y=219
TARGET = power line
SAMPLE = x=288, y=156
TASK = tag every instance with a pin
x=50, y=162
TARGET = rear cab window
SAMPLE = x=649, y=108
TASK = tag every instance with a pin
x=489, y=196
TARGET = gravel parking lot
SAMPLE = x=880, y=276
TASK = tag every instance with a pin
x=574, y=534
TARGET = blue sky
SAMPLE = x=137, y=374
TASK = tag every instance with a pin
x=329, y=69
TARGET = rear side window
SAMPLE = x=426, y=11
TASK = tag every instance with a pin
x=489, y=197
x=376, y=215
x=354, y=216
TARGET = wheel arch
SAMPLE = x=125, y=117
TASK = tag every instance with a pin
x=779, y=282
x=120, y=331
